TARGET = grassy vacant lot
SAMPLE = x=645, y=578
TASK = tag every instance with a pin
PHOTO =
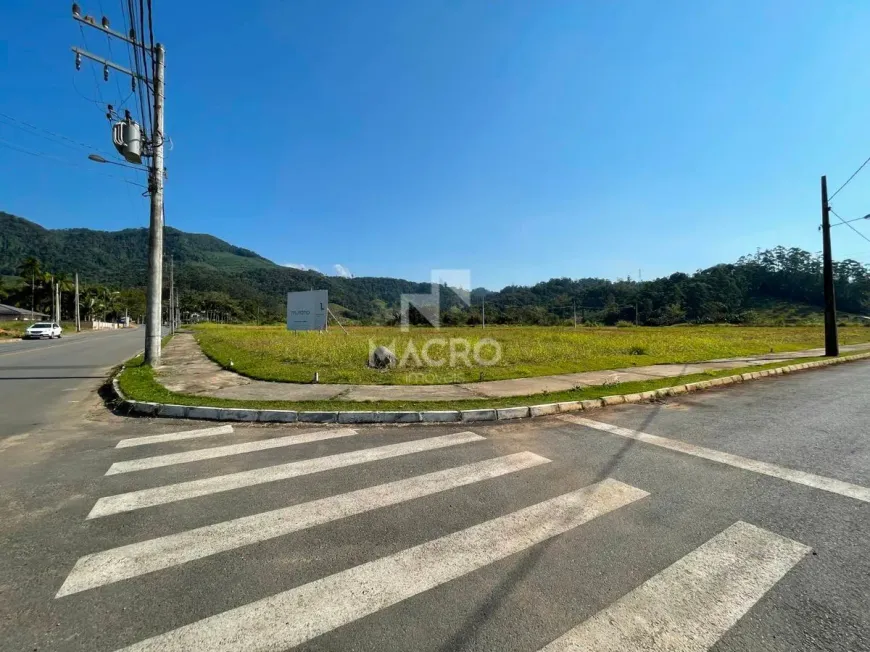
x=138, y=382
x=273, y=353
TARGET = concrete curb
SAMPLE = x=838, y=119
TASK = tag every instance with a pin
x=143, y=408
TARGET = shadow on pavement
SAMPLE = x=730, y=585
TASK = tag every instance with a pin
x=464, y=635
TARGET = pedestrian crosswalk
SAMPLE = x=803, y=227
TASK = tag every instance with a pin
x=157, y=461
x=183, y=490
x=691, y=604
x=154, y=554
x=688, y=606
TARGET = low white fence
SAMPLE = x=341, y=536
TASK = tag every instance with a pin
x=105, y=325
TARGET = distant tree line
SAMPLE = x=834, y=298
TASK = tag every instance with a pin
x=35, y=288
x=728, y=293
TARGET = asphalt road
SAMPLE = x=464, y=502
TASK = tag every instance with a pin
x=753, y=535
x=41, y=379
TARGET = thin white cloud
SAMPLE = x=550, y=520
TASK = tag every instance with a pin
x=342, y=271
x=300, y=266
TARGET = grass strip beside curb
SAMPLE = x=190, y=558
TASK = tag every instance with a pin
x=136, y=384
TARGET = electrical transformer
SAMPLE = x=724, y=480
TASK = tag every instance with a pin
x=127, y=136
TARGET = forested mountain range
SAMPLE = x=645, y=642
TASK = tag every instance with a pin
x=213, y=274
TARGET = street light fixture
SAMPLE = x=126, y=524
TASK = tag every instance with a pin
x=96, y=158
x=857, y=219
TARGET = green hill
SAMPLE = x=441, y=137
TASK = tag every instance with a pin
x=781, y=285
x=115, y=257
x=203, y=264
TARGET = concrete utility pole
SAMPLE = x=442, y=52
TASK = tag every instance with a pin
x=78, y=315
x=155, y=240
x=832, y=348
x=171, y=294
x=154, y=148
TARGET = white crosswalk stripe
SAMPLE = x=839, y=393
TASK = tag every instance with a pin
x=148, y=556
x=175, y=436
x=300, y=614
x=169, y=459
x=692, y=603
x=133, y=500
x=687, y=607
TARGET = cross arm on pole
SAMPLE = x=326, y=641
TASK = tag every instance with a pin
x=87, y=20
x=106, y=62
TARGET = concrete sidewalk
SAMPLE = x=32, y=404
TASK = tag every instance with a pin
x=187, y=370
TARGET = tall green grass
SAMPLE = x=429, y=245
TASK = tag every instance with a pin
x=273, y=353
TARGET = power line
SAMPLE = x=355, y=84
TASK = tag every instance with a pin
x=854, y=174
x=83, y=96
x=138, y=64
x=130, y=54
x=847, y=223
x=16, y=148
x=29, y=128
x=150, y=28
x=112, y=56
x=93, y=72
x=145, y=61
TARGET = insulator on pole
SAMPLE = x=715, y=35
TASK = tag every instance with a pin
x=78, y=61
x=105, y=23
x=105, y=73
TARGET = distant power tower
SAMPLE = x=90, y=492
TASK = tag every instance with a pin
x=134, y=143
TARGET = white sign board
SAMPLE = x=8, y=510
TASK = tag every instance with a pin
x=306, y=311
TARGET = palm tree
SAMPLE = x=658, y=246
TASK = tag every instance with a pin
x=88, y=299
x=31, y=268
x=110, y=301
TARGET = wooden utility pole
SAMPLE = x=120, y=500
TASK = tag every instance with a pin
x=574, y=306
x=483, y=311
x=832, y=348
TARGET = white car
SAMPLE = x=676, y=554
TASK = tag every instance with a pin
x=43, y=329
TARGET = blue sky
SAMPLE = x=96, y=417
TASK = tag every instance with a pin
x=521, y=140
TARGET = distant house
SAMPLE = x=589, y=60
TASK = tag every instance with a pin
x=11, y=313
